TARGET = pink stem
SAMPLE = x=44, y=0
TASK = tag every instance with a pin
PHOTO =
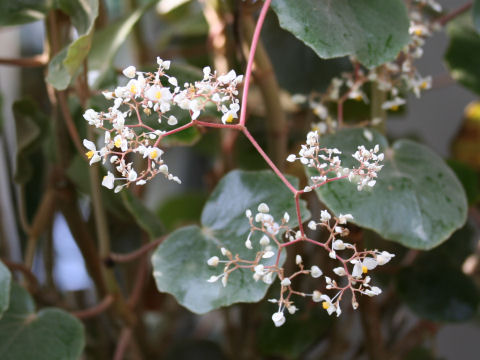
x=251, y=56
x=269, y=162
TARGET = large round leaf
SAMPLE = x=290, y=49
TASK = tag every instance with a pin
x=5, y=280
x=180, y=263
x=417, y=200
x=50, y=334
x=373, y=30
x=438, y=292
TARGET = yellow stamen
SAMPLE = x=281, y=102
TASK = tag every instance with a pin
x=359, y=98
x=229, y=118
x=153, y=154
x=424, y=85
x=395, y=108
x=133, y=89
x=158, y=95
x=364, y=269
x=118, y=142
x=147, y=111
x=325, y=305
x=90, y=154
x=418, y=32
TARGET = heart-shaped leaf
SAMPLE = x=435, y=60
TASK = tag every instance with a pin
x=373, y=30
x=49, y=334
x=180, y=262
x=417, y=200
x=65, y=64
x=5, y=280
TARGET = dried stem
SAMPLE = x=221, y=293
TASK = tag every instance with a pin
x=452, y=15
x=122, y=258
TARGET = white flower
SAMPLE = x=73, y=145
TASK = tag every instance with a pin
x=327, y=304
x=286, y=282
x=213, y=261
x=291, y=158
x=278, y=318
x=342, y=219
x=292, y=309
x=213, y=278
x=92, y=154
x=373, y=291
x=317, y=296
x=393, y=104
x=325, y=216
x=362, y=267
x=312, y=225
x=338, y=245
x=340, y=271
x=384, y=257
x=263, y=208
x=130, y=72
x=268, y=254
x=108, y=180
x=298, y=259
x=315, y=271
x=172, y=120
x=264, y=240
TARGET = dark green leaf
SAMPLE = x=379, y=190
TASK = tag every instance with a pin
x=438, y=292
x=373, y=30
x=299, y=332
x=108, y=41
x=30, y=126
x=476, y=15
x=144, y=217
x=469, y=178
x=46, y=335
x=180, y=263
x=464, y=41
x=16, y=12
x=417, y=200
x=5, y=280
x=65, y=64
x=180, y=209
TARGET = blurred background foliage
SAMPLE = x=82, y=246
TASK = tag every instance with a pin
x=51, y=239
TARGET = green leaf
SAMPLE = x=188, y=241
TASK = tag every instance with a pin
x=180, y=262
x=469, y=178
x=181, y=209
x=16, y=12
x=30, y=126
x=464, y=41
x=372, y=30
x=436, y=291
x=65, y=64
x=46, y=335
x=476, y=15
x=417, y=200
x=108, y=41
x=144, y=217
x=5, y=280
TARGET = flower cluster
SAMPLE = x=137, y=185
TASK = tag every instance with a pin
x=393, y=78
x=327, y=161
x=134, y=124
x=350, y=275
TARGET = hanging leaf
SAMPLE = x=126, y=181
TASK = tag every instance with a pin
x=464, y=41
x=436, y=291
x=108, y=41
x=65, y=64
x=372, y=30
x=144, y=217
x=16, y=12
x=417, y=200
x=45, y=335
x=30, y=127
x=180, y=262
x=5, y=280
